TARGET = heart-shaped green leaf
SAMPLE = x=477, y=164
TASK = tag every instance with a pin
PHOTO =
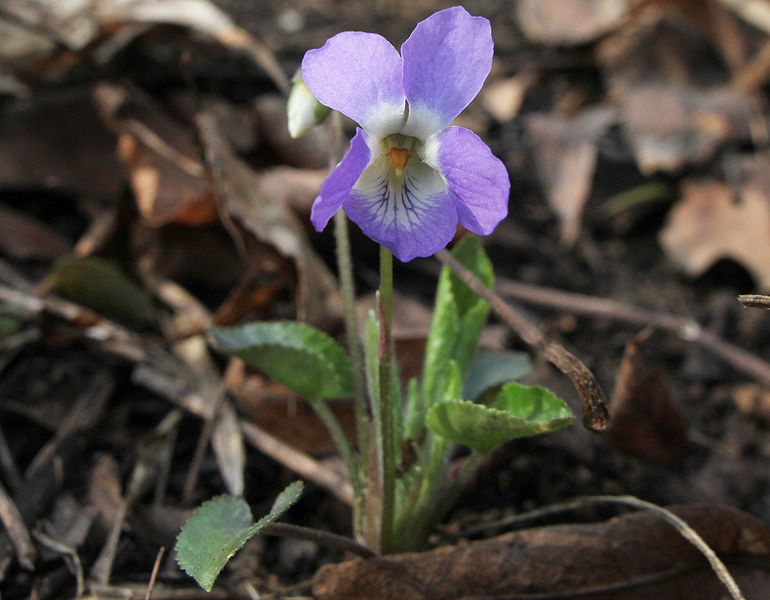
x=519, y=411
x=219, y=528
x=295, y=354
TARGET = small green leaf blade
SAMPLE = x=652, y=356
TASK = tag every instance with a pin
x=519, y=411
x=103, y=287
x=219, y=528
x=216, y=531
x=295, y=354
x=283, y=502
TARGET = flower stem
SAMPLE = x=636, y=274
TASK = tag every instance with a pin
x=386, y=429
x=345, y=268
x=347, y=289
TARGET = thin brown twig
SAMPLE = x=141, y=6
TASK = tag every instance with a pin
x=593, y=400
x=154, y=574
x=113, y=338
x=17, y=531
x=70, y=557
x=203, y=441
x=8, y=466
x=754, y=300
x=320, y=537
x=687, y=329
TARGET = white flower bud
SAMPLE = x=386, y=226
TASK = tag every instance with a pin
x=305, y=112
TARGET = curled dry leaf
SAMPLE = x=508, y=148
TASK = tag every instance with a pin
x=675, y=102
x=646, y=420
x=569, y=22
x=248, y=201
x=710, y=223
x=78, y=23
x=636, y=556
x=565, y=155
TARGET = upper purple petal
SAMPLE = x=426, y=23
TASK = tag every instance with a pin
x=336, y=188
x=411, y=216
x=360, y=75
x=478, y=181
x=446, y=60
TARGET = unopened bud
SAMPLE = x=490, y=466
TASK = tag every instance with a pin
x=305, y=112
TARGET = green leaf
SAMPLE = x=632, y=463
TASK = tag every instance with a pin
x=467, y=341
x=444, y=329
x=283, y=502
x=219, y=528
x=453, y=381
x=295, y=354
x=413, y=412
x=491, y=369
x=102, y=287
x=536, y=404
x=519, y=411
x=470, y=252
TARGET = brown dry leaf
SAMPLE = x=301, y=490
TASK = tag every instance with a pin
x=671, y=127
x=710, y=223
x=161, y=158
x=633, y=557
x=674, y=97
x=297, y=188
x=502, y=98
x=37, y=149
x=283, y=413
x=266, y=215
x=229, y=449
x=645, y=418
x=77, y=23
x=569, y=22
x=565, y=156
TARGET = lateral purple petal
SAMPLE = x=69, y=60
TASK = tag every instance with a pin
x=478, y=181
x=336, y=188
x=360, y=75
x=446, y=60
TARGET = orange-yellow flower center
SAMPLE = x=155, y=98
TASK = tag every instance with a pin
x=399, y=157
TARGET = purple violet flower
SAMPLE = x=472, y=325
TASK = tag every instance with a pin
x=408, y=178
